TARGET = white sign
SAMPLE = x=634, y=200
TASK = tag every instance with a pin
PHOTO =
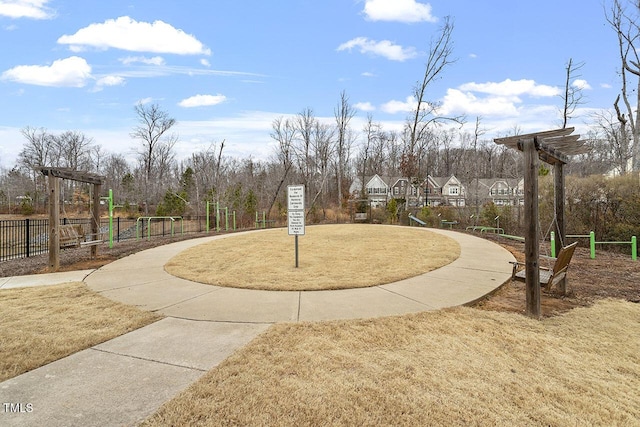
x=296, y=223
x=295, y=210
x=295, y=198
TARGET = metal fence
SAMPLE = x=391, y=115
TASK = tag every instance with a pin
x=25, y=238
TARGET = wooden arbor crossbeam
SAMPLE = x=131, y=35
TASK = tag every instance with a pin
x=54, y=175
x=80, y=176
x=553, y=147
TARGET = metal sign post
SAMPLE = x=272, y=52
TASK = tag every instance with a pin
x=295, y=213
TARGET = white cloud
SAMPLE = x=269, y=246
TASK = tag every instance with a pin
x=460, y=102
x=34, y=9
x=581, y=84
x=110, y=81
x=202, y=101
x=156, y=60
x=145, y=101
x=510, y=87
x=364, y=106
x=395, y=107
x=497, y=99
x=128, y=34
x=605, y=86
x=384, y=48
x=367, y=74
x=69, y=72
x=398, y=10
x=205, y=62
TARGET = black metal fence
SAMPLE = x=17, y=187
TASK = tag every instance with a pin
x=24, y=238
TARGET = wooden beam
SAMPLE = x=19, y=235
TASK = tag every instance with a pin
x=81, y=176
x=54, y=223
x=558, y=180
x=531, y=249
x=510, y=140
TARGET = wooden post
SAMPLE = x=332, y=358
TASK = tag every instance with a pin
x=54, y=223
x=558, y=178
x=95, y=219
x=531, y=249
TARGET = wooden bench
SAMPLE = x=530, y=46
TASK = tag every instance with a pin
x=360, y=216
x=551, y=276
x=71, y=235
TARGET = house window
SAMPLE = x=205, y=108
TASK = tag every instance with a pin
x=396, y=190
x=453, y=191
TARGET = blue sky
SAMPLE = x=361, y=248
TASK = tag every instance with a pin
x=224, y=69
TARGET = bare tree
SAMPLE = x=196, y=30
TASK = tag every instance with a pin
x=154, y=154
x=305, y=123
x=38, y=151
x=371, y=134
x=343, y=113
x=115, y=167
x=613, y=142
x=624, y=18
x=73, y=150
x=283, y=132
x=572, y=96
x=426, y=112
x=323, y=149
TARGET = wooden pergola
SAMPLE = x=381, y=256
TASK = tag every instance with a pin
x=553, y=147
x=54, y=175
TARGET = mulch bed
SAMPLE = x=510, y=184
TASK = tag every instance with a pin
x=610, y=275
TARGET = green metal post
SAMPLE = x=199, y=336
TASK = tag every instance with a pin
x=634, y=248
x=264, y=219
x=218, y=216
x=592, y=244
x=256, y=219
x=553, y=244
x=207, y=216
x=234, y=220
x=110, y=218
x=226, y=218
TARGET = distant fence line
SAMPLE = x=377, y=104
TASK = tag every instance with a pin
x=24, y=238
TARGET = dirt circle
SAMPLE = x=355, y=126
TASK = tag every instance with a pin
x=330, y=257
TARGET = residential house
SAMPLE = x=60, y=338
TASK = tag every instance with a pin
x=500, y=191
x=433, y=191
x=376, y=190
x=444, y=191
x=398, y=190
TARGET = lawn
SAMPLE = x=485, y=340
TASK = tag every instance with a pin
x=460, y=366
x=330, y=257
x=43, y=324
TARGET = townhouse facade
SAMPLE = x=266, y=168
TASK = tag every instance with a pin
x=438, y=191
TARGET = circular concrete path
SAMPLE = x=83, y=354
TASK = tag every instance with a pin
x=141, y=280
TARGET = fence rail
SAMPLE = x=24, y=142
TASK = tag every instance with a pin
x=24, y=238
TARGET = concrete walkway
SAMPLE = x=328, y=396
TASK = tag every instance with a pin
x=122, y=381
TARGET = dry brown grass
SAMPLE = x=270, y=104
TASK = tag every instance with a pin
x=460, y=366
x=331, y=257
x=42, y=324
